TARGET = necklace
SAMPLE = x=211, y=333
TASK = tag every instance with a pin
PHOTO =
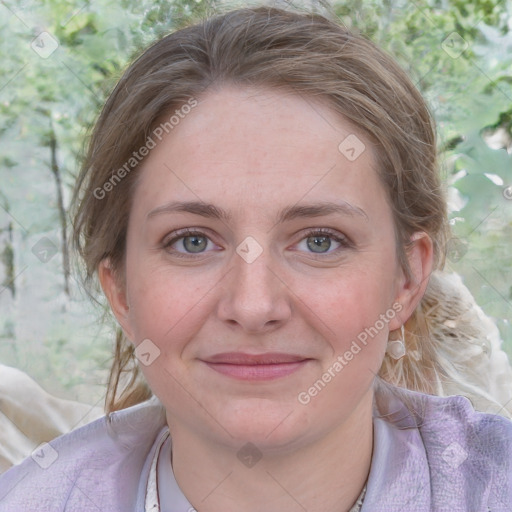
x=152, y=501
x=359, y=503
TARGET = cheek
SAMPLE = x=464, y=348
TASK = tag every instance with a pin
x=169, y=311
x=356, y=298
x=354, y=317
x=162, y=302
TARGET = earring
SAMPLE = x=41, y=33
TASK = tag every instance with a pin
x=396, y=348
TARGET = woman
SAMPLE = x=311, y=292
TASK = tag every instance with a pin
x=261, y=204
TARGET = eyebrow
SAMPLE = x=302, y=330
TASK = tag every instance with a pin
x=285, y=215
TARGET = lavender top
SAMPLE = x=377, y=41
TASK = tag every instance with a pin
x=436, y=454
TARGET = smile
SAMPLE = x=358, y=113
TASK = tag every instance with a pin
x=256, y=367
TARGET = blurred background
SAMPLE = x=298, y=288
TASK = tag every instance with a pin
x=59, y=59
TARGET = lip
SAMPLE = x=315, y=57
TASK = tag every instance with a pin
x=267, y=366
x=254, y=359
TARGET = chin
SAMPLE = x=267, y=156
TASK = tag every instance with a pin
x=267, y=424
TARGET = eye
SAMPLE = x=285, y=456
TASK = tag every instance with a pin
x=323, y=241
x=187, y=242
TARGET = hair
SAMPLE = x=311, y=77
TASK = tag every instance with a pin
x=302, y=53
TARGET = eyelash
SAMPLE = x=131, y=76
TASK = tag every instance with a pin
x=344, y=241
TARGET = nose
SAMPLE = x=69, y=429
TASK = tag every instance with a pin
x=254, y=295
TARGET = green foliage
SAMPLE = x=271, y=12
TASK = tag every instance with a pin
x=469, y=89
x=458, y=53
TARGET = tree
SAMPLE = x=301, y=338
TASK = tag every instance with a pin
x=61, y=58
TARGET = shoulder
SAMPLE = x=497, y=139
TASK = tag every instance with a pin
x=96, y=467
x=464, y=457
x=452, y=424
x=469, y=452
x=29, y=415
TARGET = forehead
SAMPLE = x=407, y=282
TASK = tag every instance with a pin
x=258, y=147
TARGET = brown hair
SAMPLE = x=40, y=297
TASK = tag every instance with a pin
x=260, y=47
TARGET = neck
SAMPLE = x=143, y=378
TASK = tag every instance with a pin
x=326, y=475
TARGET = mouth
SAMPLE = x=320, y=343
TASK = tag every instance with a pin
x=256, y=366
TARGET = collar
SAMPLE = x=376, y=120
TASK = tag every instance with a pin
x=161, y=469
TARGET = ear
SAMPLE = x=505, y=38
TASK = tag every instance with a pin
x=410, y=289
x=115, y=291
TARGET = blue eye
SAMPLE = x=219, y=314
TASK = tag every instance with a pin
x=187, y=242
x=318, y=242
x=194, y=243
x=323, y=242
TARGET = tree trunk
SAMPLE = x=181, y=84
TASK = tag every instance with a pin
x=60, y=204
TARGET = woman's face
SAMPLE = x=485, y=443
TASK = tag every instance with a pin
x=261, y=270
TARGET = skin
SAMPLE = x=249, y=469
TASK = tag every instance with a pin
x=253, y=153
